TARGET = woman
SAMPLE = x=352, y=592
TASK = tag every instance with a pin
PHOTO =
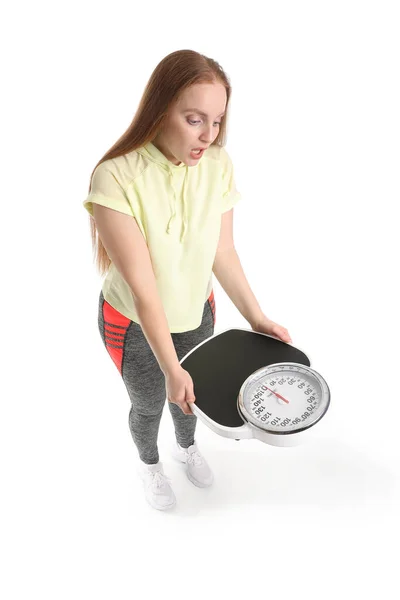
x=161, y=211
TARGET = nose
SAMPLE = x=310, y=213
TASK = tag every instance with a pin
x=207, y=135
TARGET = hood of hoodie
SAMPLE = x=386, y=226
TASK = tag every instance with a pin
x=152, y=153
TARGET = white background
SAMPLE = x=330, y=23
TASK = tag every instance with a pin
x=314, y=138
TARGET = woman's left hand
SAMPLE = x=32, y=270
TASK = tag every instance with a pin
x=271, y=328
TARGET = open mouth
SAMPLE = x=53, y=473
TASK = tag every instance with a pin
x=196, y=153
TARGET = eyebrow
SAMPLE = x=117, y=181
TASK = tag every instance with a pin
x=200, y=112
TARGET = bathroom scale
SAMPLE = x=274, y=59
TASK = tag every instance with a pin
x=252, y=385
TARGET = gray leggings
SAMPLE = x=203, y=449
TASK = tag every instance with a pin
x=131, y=353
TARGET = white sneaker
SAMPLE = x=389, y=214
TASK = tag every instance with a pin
x=159, y=493
x=197, y=468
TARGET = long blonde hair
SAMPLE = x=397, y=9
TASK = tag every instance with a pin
x=176, y=72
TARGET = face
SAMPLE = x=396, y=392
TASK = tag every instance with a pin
x=186, y=128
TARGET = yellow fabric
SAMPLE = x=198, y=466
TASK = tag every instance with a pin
x=178, y=210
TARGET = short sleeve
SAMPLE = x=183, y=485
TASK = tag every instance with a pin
x=107, y=190
x=230, y=195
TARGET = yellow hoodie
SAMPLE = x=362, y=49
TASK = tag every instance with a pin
x=178, y=210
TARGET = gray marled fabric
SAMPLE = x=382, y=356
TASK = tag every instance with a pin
x=143, y=378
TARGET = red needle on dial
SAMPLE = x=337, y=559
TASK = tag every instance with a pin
x=279, y=396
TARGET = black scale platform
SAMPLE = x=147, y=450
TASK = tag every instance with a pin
x=220, y=365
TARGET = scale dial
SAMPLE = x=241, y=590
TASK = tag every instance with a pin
x=283, y=398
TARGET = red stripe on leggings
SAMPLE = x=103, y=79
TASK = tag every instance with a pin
x=212, y=304
x=114, y=323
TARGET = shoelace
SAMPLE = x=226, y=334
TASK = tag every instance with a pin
x=195, y=458
x=159, y=479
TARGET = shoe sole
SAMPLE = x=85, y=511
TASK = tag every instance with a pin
x=167, y=507
x=197, y=483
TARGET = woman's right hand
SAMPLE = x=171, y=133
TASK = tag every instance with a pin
x=179, y=388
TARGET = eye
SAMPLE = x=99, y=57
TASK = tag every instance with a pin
x=195, y=122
